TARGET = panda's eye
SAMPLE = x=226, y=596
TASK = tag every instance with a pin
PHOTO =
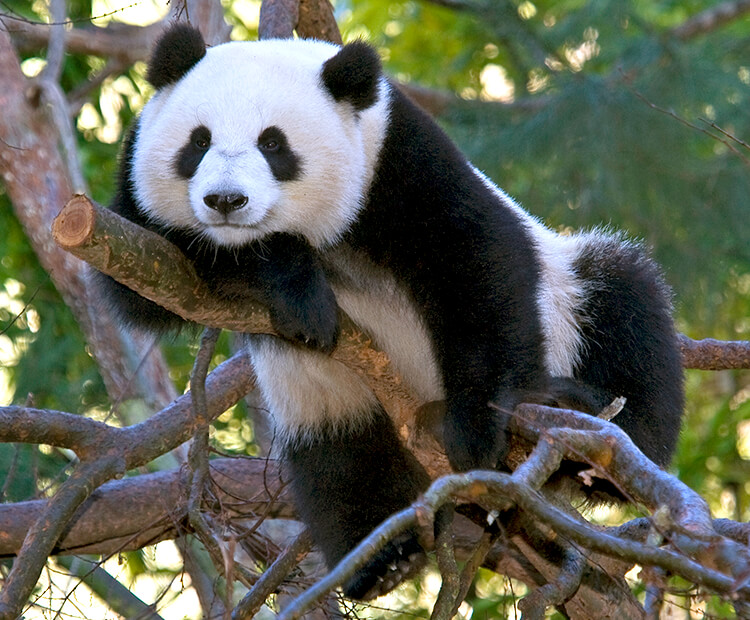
x=200, y=138
x=270, y=145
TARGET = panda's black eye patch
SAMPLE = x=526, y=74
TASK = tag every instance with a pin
x=190, y=156
x=284, y=162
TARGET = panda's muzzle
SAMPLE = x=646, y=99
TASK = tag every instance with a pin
x=225, y=203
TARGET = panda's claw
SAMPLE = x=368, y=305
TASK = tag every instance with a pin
x=398, y=561
x=314, y=326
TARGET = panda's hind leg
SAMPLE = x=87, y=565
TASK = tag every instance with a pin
x=348, y=470
x=345, y=483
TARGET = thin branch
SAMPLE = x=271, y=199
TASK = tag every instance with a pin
x=198, y=454
x=56, y=45
x=273, y=577
x=122, y=42
x=450, y=590
x=573, y=565
x=687, y=123
x=724, y=132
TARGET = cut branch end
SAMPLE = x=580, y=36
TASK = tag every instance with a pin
x=74, y=225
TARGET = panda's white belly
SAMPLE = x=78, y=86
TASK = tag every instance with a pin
x=377, y=304
x=306, y=390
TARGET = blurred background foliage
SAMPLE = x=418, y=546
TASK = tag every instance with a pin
x=589, y=112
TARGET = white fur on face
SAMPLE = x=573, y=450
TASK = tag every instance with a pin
x=237, y=91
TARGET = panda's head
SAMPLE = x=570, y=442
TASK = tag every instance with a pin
x=246, y=139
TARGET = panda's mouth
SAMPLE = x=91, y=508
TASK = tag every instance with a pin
x=232, y=234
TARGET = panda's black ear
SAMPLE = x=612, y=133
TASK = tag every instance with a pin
x=177, y=51
x=352, y=75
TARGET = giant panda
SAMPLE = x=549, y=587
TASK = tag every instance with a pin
x=294, y=172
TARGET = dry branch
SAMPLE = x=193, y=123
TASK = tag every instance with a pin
x=134, y=512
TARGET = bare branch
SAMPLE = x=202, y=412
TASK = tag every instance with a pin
x=120, y=450
x=199, y=448
x=711, y=19
x=273, y=577
x=142, y=510
x=316, y=21
x=445, y=553
x=710, y=354
x=122, y=42
x=502, y=491
x=278, y=19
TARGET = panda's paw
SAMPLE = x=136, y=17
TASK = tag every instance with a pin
x=401, y=559
x=470, y=448
x=313, y=325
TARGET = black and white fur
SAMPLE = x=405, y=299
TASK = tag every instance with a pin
x=294, y=172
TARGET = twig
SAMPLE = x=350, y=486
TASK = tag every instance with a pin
x=447, y=599
x=198, y=454
x=273, y=577
x=723, y=131
x=687, y=123
x=534, y=604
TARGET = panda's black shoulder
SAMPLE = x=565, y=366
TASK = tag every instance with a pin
x=124, y=202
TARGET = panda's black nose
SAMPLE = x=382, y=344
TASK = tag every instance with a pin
x=225, y=203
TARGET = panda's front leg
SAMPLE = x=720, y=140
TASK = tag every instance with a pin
x=283, y=271
x=348, y=470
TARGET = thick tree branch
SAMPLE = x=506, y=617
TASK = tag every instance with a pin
x=583, y=437
x=134, y=512
x=122, y=42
